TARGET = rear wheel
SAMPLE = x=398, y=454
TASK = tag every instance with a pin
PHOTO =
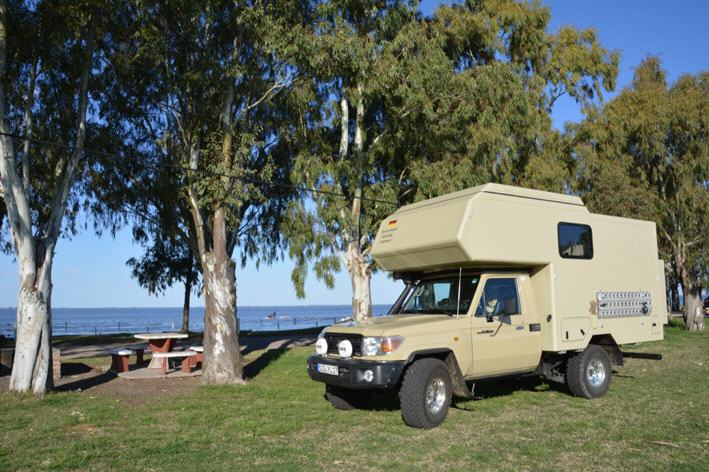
x=588, y=373
x=425, y=394
x=346, y=399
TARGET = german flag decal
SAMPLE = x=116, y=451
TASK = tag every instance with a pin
x=392, y=224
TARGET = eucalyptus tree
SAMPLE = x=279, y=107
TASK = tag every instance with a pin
x=51, y=61
x=162, y=226
x=645, y=155
x=333, y=227
x=413, y=108
x=519, y=70
x=210, y=85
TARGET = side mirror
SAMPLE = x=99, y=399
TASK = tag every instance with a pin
x=490, y=317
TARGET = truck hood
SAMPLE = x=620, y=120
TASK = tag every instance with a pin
x=389, y=325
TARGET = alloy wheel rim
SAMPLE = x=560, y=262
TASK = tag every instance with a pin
x=435, y=395
x=595, y=372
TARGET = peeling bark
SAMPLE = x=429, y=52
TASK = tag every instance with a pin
x=222, y=353
x=356, y=261
x=33, y=354
x=31, y=318
x=360, y=272
x=693, y=310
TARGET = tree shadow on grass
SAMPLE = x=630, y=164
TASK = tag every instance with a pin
x=256, y=366
x=86, y=383
x=75, y=368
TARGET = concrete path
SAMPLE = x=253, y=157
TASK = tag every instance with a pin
x=248, y=344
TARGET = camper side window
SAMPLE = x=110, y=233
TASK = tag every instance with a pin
x=575, y=241
x=499, y=298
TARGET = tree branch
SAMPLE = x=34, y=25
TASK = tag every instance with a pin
x=200, y=226
x=62, y=191
x=275, y=88
x=28, y=127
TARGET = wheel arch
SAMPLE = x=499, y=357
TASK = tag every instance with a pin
x=611, y=347
x=447, y=356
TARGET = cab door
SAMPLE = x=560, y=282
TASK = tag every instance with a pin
x=504, y=340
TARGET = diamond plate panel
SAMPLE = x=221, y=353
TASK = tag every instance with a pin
x=623, y=304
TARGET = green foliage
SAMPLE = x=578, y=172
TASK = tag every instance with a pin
x=645, y=155
x=181, y=63
x=49, y=42
x=453, y=101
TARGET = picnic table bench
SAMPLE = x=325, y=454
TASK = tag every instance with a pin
x=186, y=365
x=119, y=357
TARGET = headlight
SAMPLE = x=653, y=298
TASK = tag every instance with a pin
x=321, y=346
x=370, y=346
x=378, y=346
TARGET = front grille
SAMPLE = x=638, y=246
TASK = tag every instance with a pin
x=333, y=339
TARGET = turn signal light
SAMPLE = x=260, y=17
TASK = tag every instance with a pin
x=390, y=344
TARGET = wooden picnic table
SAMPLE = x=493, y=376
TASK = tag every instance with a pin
x=160, y=342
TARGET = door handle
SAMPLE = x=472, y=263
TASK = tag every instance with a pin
x=486, y=331
x=520, y=328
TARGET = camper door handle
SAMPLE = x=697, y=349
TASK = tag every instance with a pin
x=486, y=331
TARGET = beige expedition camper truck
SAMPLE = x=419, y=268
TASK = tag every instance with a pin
x=499, y=281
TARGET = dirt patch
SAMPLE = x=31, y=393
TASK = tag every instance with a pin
x=133, y=392
x=98, y=381
x=90, y=376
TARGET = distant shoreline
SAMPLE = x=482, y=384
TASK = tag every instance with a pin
x=201, y=307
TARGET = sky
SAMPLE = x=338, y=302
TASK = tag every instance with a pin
x=91, y=271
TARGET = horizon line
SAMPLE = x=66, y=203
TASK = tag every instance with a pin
x=201, y=306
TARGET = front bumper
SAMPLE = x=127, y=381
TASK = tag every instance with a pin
x=351, y=372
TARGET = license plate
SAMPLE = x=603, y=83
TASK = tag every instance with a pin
x=328, y=369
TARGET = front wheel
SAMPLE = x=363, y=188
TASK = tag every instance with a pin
x=425, y=394
x=588, y=373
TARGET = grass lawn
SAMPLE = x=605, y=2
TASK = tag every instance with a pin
x=655, y=417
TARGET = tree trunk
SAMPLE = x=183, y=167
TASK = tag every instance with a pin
x=31, y=319
x=693, y=315
x=186, y=303
x=693, y=310
x=222, y=353
x=360, y=276
x=33, y=358
x=674, y=298
x=356, y=260
x=186, y=307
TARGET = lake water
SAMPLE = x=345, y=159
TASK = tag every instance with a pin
x=140, y=320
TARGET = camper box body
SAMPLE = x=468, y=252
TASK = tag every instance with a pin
x=614, y=285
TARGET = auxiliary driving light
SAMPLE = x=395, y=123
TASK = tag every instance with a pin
x=345, y=348
x=368, y=375
x=321, y=346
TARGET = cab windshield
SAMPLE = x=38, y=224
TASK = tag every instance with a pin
x=439, y=295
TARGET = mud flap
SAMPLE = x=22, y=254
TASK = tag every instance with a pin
x=460, y=389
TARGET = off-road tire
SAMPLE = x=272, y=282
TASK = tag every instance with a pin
x=346, y=399
x=579, y=369
x=421, y=375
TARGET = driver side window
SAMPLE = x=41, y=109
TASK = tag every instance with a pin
x=499, y=296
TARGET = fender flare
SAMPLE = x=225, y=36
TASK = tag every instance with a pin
x=458, y=386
